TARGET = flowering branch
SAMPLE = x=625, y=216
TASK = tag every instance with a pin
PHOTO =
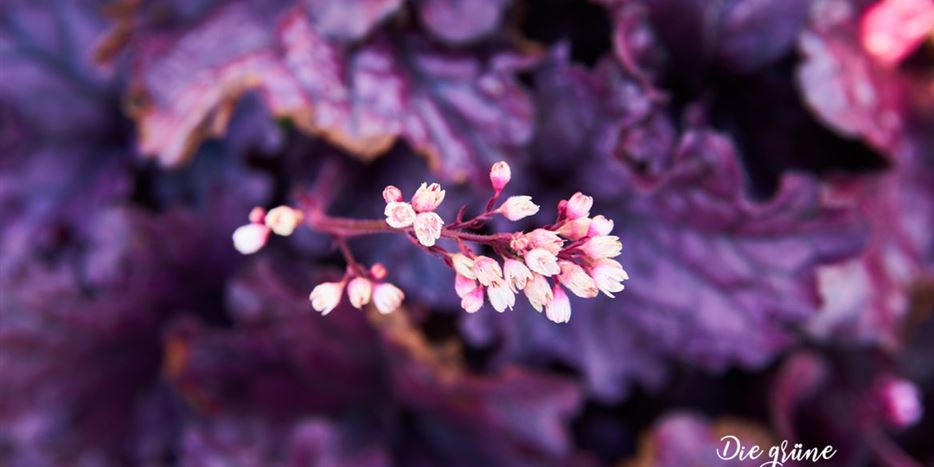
x=575, y=252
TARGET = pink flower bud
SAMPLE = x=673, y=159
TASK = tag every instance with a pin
x=518, y=207
x=378, y=271
x=602, y=246
x=326, y=296
x=899, y=400
x=600, y=225
x=463, y=285
x=578, y=206
x=463, y=265
x=559, y=308
x=516, y=274
x=487, y=271
x=500, y=175
x=399, y=215
x=577, y=280
x=608, y=275
x=575, y=229
x=359, y=291
x=518, y=242
x=391, y=194
x=387, y=297
x=283, y=220
x=428, y=227
x=545, y=239
x=542, y=261
x=473, y=300
x=257, y=215
x=538, y=291
x=501, y=297
x=428, y=197
x=250, y=238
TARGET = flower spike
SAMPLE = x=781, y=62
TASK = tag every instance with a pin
x=574, y=253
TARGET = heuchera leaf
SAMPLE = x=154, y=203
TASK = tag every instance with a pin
x=718, y=279
x=103, y=303
x=58, y=161
x=461, y=111
x=866, y=298
x=683, y=438
x=232, y=440
x=857, y=95
x=740, y=36
x=846, y=401
x=460, y=21
x=349, y=19
x=512, y=417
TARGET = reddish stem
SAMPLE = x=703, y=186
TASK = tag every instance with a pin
x=346, y=228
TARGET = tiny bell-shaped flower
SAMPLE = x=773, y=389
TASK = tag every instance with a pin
x=283, y=220
x=487, y=271
x=428, y=227
x=545, y=239
x=559, y=308
x=600, y=225
x=463, y=285
x=378, y=271
x=518, y=242
x=577, y=280
x=387, y=297
x=542, y=261
x=516, y=274
x=326, y=296
x=257, y=215
x=428, y=197
x=500, y=296
x=399, y=215
x=538, y=292
x=463, y=265
x=391, y=194
x=359, y=291
x=473, y=300
x=608, y=275
x=602, y=246
x=500, y=175
x=575, y=229
x=250, y=238
x=518, y=207
x=578, y=206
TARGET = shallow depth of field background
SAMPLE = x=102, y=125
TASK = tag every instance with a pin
x=769, y=165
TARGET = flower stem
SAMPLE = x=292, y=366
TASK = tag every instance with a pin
x=345, y=228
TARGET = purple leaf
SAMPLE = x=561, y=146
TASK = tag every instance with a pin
x=681, y=438
x=461, y=21
x=857, y=95
x=462, y=112
x=717, y=279
x=867, y=297
x=81, y=336
x=459, y=418
x=349, y=19
x=244, y=441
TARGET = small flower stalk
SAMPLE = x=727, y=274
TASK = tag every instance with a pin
x=574, y=254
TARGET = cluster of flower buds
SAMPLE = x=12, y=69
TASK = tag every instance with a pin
x=420, y=214
x=282, y=220
x=362, y=289
x=575, y=252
